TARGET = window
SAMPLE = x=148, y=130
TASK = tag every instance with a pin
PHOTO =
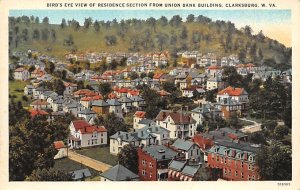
x=221, y=159
x=101, y=141
x=143, y=162
x=242, y=175
x=236, y=173
x=150, y=164
x=96, y=141
x=242, y=165
x=225, y=160
x=249, y=167
x=150, y=174
x=229, y=172
x=197, y=151
x=249, y=177
x=143, y=172
x=225, y=171
x=88, y=142
x=253, y=178
x=101, y=134
x=217, y=158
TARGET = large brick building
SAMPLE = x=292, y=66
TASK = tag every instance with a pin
x=153, y=162
x=237, y=160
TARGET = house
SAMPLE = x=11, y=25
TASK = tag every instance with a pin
x=144, y=123
x=80, y=175
x=238, y=94
x=145, y=137
x=69, y=88
x=215, y=82
x=57, y=104
x=162, y=135
x=100, y=107
x=153, y=162
x=40, y=104
x=189, y=149
x=28, y=90
x=62, y=150
x=118, y=173
x=138, y=116
x=83, y=134
x=87, y=114
x=179, y=124
x=71, y=106
x=45, y=95
x=126, y=104
x=183, y=170
x=21, y=74
x=115, y=107
x=36, y=92
x=237, y=160
x=191, y=90
x=229, y=106
x=205, y=110
x=37, y=112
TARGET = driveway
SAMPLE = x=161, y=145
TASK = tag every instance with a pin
x=255, y=127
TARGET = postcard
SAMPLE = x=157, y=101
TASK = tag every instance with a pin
x=142, y=94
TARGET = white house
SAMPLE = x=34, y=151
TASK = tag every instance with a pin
x=190, y=149
x=115, y=107
x=21, y=74
x=87, y=114
x=179, y=124
x=138, y=116
x=162, y=135
x=238, y=94
x=83, y=134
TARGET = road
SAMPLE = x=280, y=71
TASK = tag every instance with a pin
x=255, y=127
x=92, y=163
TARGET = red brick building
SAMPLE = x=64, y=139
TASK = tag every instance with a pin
x=237, y=160
x=153, y=162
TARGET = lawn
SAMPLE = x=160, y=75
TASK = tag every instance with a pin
x=16, y=88
x=99, y=153
x=69, y=165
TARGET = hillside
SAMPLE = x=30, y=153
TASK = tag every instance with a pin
x=197, y=33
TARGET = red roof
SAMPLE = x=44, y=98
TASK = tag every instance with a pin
x=204, y=143
x=214, y=67
x=59, y=144
x=250, y=65
x=39, y=103
x=164, y=93
x=122, y=90
x=140, y=114
x=82, y=92
x=35, y=112
x=21, y=69
x=66, y=84
x=134, y=92
x=84, y=127
x=231, y=91
x=240, y=66
x=178, y=118
x=158, y=75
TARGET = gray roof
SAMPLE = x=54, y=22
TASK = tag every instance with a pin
x=113, y=102
x=100, y=103
x=146, y=121
x=185, y=167
x=136, y=99
x=160, y=152
x=229, y=102
x=87, y=112
x=80, y=174
x=119, y=173
x=29, y=86
x=154, y=129
x=125, y=136
x=124, y=100
x=183, y=144
x=216, y=79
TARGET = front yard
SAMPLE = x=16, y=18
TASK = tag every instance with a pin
x=16, y=89
x=99, y=153
x=68, y=165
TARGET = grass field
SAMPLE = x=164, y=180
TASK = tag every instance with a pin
x=99, y=153
x=16, y=88
x=69, y=165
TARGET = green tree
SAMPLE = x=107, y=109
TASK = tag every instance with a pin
x=175, y=21
x=49, y=175
x=190, y=18
x=275, y=162
x=280, y=132
x=105, y=88
x=45, y=20
x=231, y=76
x=114, y=124
x=143, y=75
x=134, y=75
x=128, y=158
x=63, y=23
x=163, y=21
x=97, y=26
x=58, y=86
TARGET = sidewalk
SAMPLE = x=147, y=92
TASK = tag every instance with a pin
x=92, y=163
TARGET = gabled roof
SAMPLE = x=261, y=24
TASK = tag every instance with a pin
x=80, y=174
x=59, y=144
x=113, y=102
x=231, y=91
x=100, y=103
x=39, y=103
x=84, y=127
x=119, y=173
x=183, y=144
x=35, y=112
x=177, y=117
x=140, y=114
x=86, y=112
x=136, y=99
x=124, y=100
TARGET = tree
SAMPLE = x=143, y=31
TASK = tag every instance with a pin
x=134, y=75
x=105, y=89
x=275, y=162
x=210, y=95
x=163, y=21
x=37, y=20
x=69, y=40
x=45, y=20
x=110, y=40
x=247, y=30
x=184, y=33
x=150, y=75
x=143, y=75
x=96, y=26
x=63, y=23
x=152, y=23
x=30, y=141
x=234, y=121
x=280, y=132
x=231, y=76
x=114, y=124
x=31, y=69
x=45, y=34
x=175, y=21
x=58, y=86
x=24, y=34
x=203, y=20
x=36, y=34
x=190, y=18
x=49, y=175
x=128, y=158
x=87, y=22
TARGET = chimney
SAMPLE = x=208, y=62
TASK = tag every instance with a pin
x=245, y=156
x=233, y=153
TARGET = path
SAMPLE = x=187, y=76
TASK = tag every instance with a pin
x=92, y=163
x=255, y=127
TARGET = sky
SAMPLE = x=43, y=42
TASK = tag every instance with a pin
x=275, y=24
